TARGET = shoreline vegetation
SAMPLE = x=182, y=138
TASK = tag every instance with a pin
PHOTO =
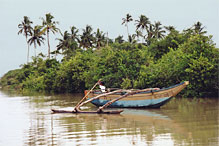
x=153, y=56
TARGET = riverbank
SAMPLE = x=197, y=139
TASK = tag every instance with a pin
x=121, y=68
x=163, y=61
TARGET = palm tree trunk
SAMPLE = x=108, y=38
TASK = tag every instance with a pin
x=98, y=45
x=35, y=52
x=127, y=30
x=48, y=44
x=35, y=49
x=142, y=36
x=107, y=41
x=28, y=50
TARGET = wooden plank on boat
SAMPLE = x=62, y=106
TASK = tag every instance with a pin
x=87, y=112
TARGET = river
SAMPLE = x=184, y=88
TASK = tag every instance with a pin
x=28, y=121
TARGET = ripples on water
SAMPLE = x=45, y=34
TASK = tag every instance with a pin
x=27, y=120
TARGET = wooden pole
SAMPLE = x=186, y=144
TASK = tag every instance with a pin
x=77, y=106
x=129, y=92
x=96, y=97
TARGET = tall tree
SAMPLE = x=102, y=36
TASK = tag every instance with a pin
x=170, y=28
x=49, y=25
x=87, y=37
x=119, y=39
x=198, y=28
x=63, y=43
x=142, y=24
x=126, y=20
x=25, y=28
x=150, y=34
x=158, y=30
x=138, y=34
x=131, y=39
x=74, y=34
x=68, y=43
x=36, y=37
x=100, y=39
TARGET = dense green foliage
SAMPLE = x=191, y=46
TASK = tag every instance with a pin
x=159, y=61
x=196, y=61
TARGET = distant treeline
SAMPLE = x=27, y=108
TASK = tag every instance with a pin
x=154, y=56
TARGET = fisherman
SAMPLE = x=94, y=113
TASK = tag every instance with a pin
x=102, y=87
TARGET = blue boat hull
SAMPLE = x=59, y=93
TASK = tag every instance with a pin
x=144, y=99
x=148, y=103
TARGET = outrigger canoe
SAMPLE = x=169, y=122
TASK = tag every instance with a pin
x=147, y=99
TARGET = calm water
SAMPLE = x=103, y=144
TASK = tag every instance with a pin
x=27, y=120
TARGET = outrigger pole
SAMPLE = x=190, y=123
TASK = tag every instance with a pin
x=80, y=103
x=91, y=112
x=77, y=107
x=100, y=109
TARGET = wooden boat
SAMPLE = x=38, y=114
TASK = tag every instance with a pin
x=147, y=99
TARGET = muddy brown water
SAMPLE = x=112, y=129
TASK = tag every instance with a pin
x=27, y=120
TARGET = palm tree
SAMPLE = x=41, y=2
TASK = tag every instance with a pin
x=87, y=37
x=36, y=37
x=74, y=34
x=64, y=42
x=119, y=39
x=158, y=30
x=68, y=43
x=198, y=29
x=170, y=28
x=131, y=39
x=100, y=39
x=138, y=34
x=49, y=25
x=65, y=45
x=151, y=32
x=25, y=28
x=142, y=24
x=126, y=20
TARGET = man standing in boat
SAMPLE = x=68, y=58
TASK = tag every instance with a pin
x=102, y=87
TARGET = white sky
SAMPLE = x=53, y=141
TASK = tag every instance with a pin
x=104, y=14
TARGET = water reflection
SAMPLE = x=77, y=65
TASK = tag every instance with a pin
x=27, y=120
x=89, y=129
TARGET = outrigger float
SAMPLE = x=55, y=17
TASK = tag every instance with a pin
x=145, y=98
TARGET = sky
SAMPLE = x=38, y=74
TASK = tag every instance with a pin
x=104, y=14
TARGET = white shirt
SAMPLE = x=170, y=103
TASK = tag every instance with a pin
x=102, y=88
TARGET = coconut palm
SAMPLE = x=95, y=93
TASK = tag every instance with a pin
x=131, y=39
x=138, y=34
x=49, y=25
x=158, y=31
x=126, y=20
x=25, y=28
x=119, y=39
x=170, y=28
x=64, y=42
x=87, y=37
x=142, y=24
x=36, y=37
x=74, y=34
x=150, y=32
x=100, y=38
x=74, y=39
x=67, y=45
x=198, y=29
